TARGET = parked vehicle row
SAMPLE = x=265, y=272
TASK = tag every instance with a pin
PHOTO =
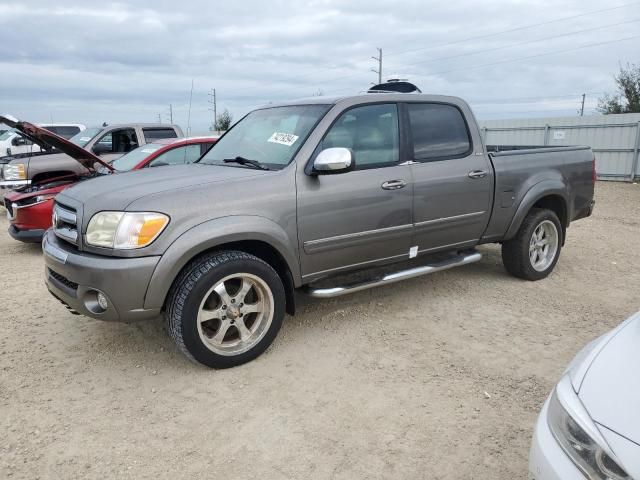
x=108, y=143
x=29, y=208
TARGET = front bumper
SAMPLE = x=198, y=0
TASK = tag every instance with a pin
x=547, y=460
x=27, y=236
x=75, y=278
x=29, y=222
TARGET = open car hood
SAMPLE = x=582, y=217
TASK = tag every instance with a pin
x=48, y=140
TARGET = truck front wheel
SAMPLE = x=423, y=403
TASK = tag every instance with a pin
x=225, y=308
x=534, y=251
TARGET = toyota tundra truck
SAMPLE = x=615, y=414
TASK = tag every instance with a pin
x=326, y=196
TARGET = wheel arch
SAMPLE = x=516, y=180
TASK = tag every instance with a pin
x=257, y=236
x=551, y=195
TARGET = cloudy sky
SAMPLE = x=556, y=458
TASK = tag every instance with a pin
x=101, y=61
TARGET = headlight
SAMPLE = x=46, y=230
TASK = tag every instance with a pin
x=14, y=171
x=125, y=230
x=578, y=436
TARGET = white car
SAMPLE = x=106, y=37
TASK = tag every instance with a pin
x=12, y=143
x=589, y=426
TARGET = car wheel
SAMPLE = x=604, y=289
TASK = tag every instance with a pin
x=225, y=308
x=534, y=251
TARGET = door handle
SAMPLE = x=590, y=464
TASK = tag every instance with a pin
x=393, y=184
x=477, y=174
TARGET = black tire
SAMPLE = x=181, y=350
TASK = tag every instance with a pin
x=188, y=292
x=515, y=252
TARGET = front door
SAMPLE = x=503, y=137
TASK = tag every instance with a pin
x=361, y=217
x=453, y=181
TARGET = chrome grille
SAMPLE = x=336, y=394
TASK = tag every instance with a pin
x=65, y=223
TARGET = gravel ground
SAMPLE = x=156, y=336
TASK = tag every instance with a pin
x=437, y=377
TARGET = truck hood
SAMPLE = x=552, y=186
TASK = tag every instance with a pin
x=115, y=192
x=48, y=140
x=610, y=390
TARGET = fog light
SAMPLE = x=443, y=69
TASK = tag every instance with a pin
x=102, y=301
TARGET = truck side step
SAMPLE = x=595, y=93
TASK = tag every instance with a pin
x=462, y=258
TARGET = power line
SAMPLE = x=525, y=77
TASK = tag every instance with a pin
x=500, y=62
x=516, y=29
x=482, y=51
x=518, y=44
x=463, y=40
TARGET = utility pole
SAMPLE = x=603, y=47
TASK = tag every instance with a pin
x=379, y=70
x=582, y=107
x=170, y=114
x=213, y=108
x=159, y=118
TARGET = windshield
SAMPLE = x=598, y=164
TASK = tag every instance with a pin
x=85, y=136
x=134, y=157
x=5, y=134
x=270, y=136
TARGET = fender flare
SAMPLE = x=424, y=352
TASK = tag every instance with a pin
x=536, y=192
x=211, y=234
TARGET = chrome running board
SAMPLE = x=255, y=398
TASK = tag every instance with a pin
x=457, y=261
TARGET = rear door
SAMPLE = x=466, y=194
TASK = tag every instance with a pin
x=361, y=217
x=453, y=181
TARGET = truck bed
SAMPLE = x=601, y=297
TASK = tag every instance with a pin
x=518, y=169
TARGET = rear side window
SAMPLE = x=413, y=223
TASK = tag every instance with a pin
x=152, y=134
x=66, y=132
x=439, y=131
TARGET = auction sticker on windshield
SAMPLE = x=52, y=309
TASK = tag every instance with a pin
x=287, y=139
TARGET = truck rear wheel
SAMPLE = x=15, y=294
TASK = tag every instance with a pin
x=225, y=309
x=534, y=251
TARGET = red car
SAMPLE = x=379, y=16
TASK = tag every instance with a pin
x=29, y=209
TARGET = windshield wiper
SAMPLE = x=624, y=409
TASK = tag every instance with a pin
x=246, y=161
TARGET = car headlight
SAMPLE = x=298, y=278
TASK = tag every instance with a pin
x=579, y=437
x=125, y=230
x=15, y=171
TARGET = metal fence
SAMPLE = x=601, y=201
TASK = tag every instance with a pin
x=615, y=139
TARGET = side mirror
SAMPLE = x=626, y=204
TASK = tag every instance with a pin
x=334, y=160
x=18, y=141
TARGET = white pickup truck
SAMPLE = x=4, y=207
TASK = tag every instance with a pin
x=12, y=143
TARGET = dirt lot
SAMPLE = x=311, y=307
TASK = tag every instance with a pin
x=436, y=377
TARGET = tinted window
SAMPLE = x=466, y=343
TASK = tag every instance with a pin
x=177, y=156
x=66, y=132
x=439, y=131
x=371, y=132
x=152, y=134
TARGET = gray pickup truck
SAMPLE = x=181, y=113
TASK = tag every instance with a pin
x=108, y=142
x=328, y=196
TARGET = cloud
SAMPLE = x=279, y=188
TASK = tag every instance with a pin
x=95, y=61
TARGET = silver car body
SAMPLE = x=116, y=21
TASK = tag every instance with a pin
x=604, y=378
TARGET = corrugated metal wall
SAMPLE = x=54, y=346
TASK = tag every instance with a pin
x=615, y=139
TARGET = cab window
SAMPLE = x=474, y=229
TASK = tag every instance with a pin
x=371, y=132
x=117, y=141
